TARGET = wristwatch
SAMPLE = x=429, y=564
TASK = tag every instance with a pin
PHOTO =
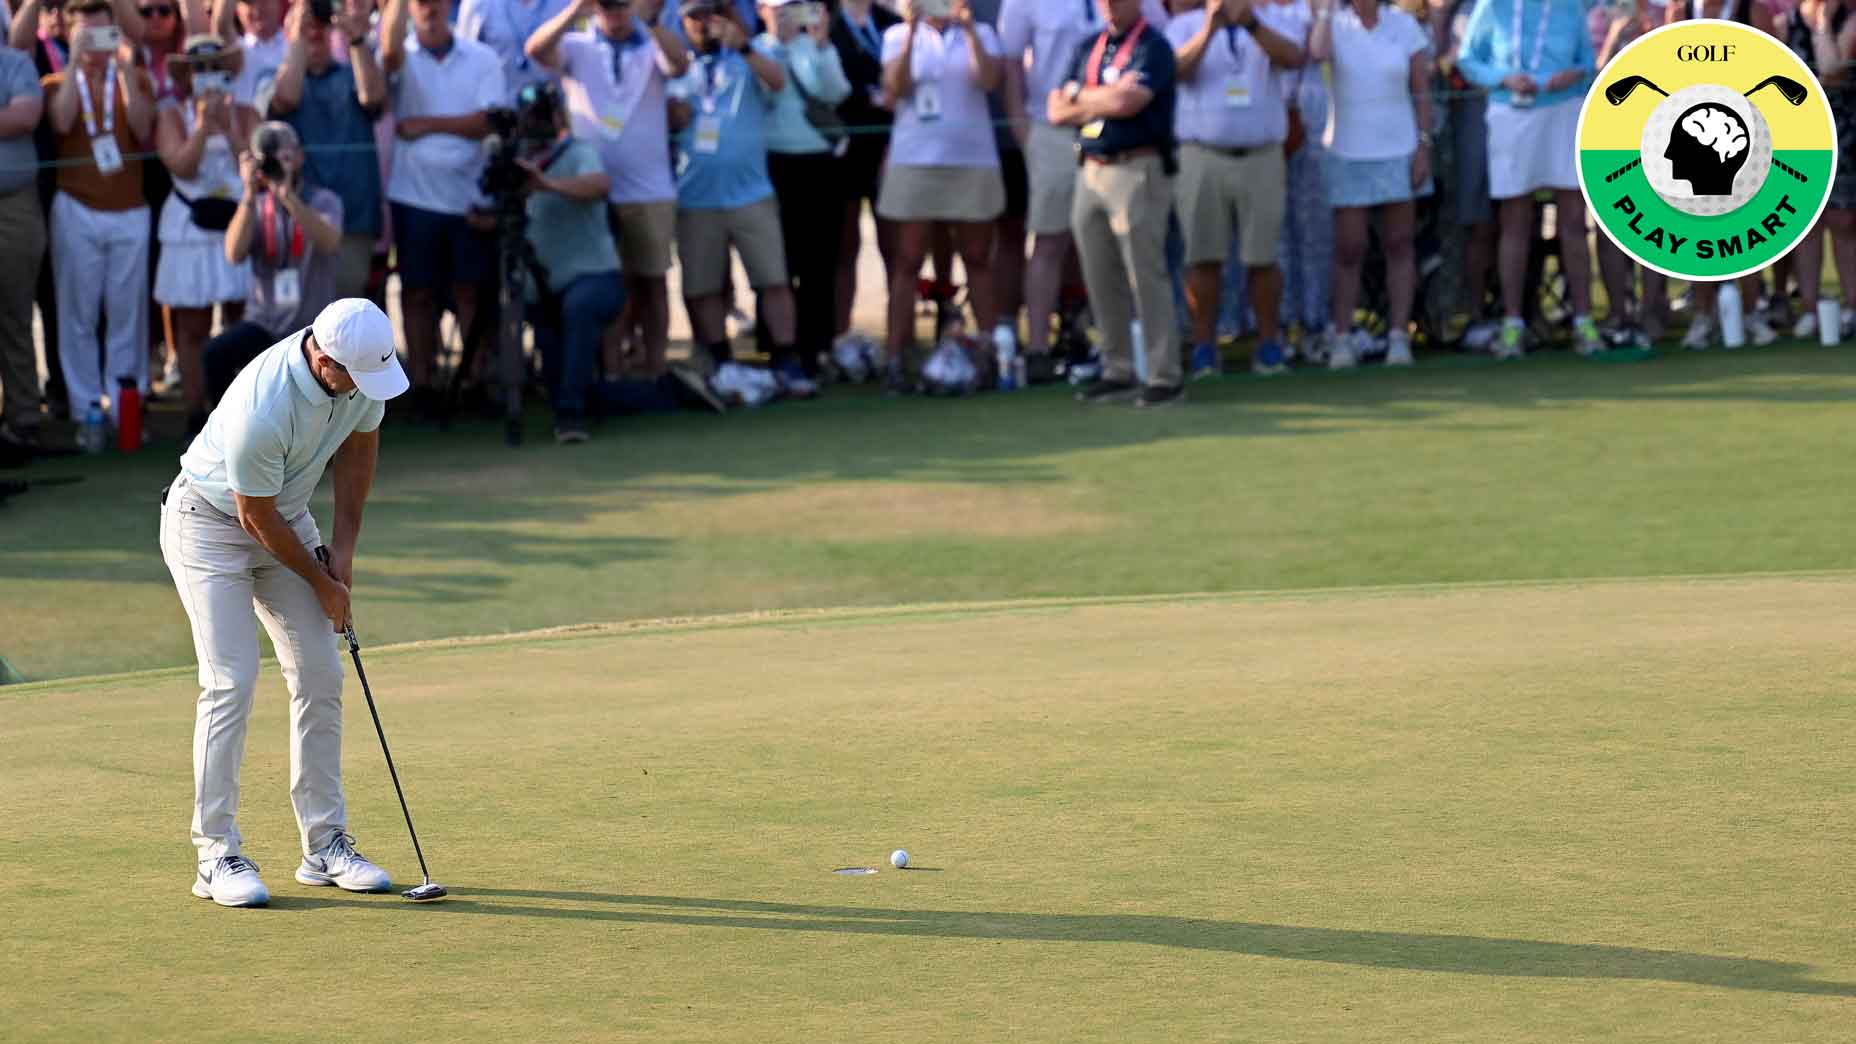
x=1072, y=90
x=1425, y=138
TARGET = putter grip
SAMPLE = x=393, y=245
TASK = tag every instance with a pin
x=322, y=556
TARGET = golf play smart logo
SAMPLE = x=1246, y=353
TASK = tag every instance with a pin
x=1706, y=150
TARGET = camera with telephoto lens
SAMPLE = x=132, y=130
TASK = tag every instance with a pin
x=270, y=162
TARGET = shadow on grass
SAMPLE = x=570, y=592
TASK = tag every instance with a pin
x=1409, y=951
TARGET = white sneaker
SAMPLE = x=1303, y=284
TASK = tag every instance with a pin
x=340, y=865
x=1700, y=334
x=1759, y=331
x=231, y=881
x=1340, y=351
x=1398, y=350
x=1805, y=329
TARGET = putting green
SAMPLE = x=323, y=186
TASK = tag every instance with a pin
x=1609, y=811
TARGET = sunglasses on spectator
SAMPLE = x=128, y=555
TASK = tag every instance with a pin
x=610, y=4
x=157, y=11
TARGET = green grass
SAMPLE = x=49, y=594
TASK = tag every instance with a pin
x=1445, y=773
x=1566, y=812
x=1462, y=470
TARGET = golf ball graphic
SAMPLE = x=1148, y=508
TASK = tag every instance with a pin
x=1706, y=150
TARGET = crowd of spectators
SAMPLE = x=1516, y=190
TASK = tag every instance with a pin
x=1219, y=168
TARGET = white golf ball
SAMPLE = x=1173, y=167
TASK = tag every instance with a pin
x=899, y=858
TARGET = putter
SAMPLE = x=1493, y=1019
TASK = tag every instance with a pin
x=430, y=891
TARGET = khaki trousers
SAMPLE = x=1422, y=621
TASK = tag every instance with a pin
x=1119, y=221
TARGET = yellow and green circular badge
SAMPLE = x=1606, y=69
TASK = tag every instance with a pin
x=1706, y=150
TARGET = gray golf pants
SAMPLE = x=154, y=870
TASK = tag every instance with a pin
x=227, y=582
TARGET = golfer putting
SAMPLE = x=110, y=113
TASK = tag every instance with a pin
x=238, y=537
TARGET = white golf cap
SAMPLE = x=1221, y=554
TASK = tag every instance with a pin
x=356, y=333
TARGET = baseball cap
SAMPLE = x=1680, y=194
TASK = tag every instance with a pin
x=356, y=333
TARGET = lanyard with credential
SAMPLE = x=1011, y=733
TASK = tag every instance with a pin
x=271, y=235
x=109, y=101
x=1540, y=41
x=867, y=36
x=1124, y=53
x=710, y=67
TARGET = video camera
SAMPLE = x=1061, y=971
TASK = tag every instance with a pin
x=517, y=133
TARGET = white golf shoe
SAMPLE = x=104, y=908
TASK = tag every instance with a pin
x=340, y=865
x=231, y=881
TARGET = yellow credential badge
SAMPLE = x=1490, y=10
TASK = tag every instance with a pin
x=1706, y=150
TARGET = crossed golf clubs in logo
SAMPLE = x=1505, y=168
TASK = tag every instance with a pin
x=1793, y=92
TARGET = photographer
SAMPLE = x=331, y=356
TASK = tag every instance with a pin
x=616, y=75
x=724, y=196
x=442, y=87
x=292, y=233
x=803, y=165
x=200, y=140
x=102, y=110
x=578, y=288
x=333, y=107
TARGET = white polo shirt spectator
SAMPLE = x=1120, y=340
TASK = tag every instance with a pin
x=961, y=135
x=616, y=95
x=504, y=26
x=439, y=172
x=1371, y=118
x=1235, y=101
x=262, y=60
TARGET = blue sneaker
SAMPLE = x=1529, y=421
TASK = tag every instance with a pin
x=1269, y=359
x=794, y=382
x=1205, y=362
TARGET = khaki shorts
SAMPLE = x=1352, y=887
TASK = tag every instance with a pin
x=703, y=238
x=1214, y=188
x=1050, y=155
x=941, y=193
x=643, y=232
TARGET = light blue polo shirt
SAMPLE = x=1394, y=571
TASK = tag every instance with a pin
x=733, y=172
x=274, y=432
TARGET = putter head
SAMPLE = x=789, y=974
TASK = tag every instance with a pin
x=1621, y=90
x=1793, y=91
x=429, y=892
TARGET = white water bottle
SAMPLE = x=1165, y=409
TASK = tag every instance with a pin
x=1829, y=321
x=1733, y=320
x=1140, y=351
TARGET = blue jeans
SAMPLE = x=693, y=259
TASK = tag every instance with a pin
x=569, y=342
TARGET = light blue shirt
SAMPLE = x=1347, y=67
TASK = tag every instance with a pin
x=728, y=170
x=819, y=71
x=274, y=432
x=505, y=26
x=570, y=236
x=1491, y=51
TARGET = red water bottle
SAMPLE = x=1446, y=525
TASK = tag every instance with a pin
x=128, y=415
